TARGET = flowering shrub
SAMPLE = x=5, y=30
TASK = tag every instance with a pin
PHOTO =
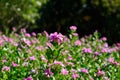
x=42, y=56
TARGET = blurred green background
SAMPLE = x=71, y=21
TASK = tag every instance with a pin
x=58, y=15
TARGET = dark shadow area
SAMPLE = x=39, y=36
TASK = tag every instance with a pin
x=58, y=15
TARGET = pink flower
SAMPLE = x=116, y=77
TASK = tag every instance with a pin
x=106, y=78
x=91, y=78
x=48, y=72
x=58, y=63
x=27, y=35
x=69, y=57
x=33, y=34
x=29, y=78
x=84, y=70
x=64, y=72
x=26, y=41
x=105, y=50
x=69, y=63
x=87, y=50
x=77, y=43
x=97, y=53
x=39, y=48
x=32, y=58
x=65, y=52
x=100, y=73
x=4, y=60
x=16, y=34
x=111, y=60
x=73, y=71
x=74, y=28
x=2, y=41
x=48, y=44
x=6, y=68
x=104, y=38
x=29, y=51
x=5, y=38
x=43, y=58
x=74, y=76
x=118, y=44
x=75, y=34
x=14, y=64
x=15, y=44
x=115, y=63
x=23, y=30
x=66, y=39
x=105, y=45
x=55, y=37
x=14, y=29
x=34, y=41
x=46, y=34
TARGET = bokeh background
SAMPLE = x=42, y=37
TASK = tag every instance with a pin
x=59, y=15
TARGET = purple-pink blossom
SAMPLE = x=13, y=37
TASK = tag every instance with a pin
x=46, y=34
x=6, y=68
x=58, y=63
x=104, y=38
x=75, y=76
x=56, y=37
x=27, y=35
x=28, y=42
x=64, y=72
x=33, y=34
x=69, y=57
x=14, y=29
x=87, y=50
x=105, y=50
x=106, y=78
x=73, y=71
x=118, y=44
x=32, y=58
x=69, y=63
x=48, y=44
x=77, y=43
x=23, y=30
x=48, y=72
x=65, y=52
x=97, y=53
x=39, y=48
x=100, y=73
x=111, y=59
x=73, y=28
x=5, y=38
x=4, y=60
x=105, y=45
x=43, y=58
x=29, y=78
x=75, y=34
x=83, y=70
x=14, y=64
x=115, y=63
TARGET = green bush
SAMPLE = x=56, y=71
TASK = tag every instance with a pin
x=54, y=56
x=19, y=13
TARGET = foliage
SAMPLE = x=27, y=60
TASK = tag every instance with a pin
x=19, y=13
x=57, y=57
